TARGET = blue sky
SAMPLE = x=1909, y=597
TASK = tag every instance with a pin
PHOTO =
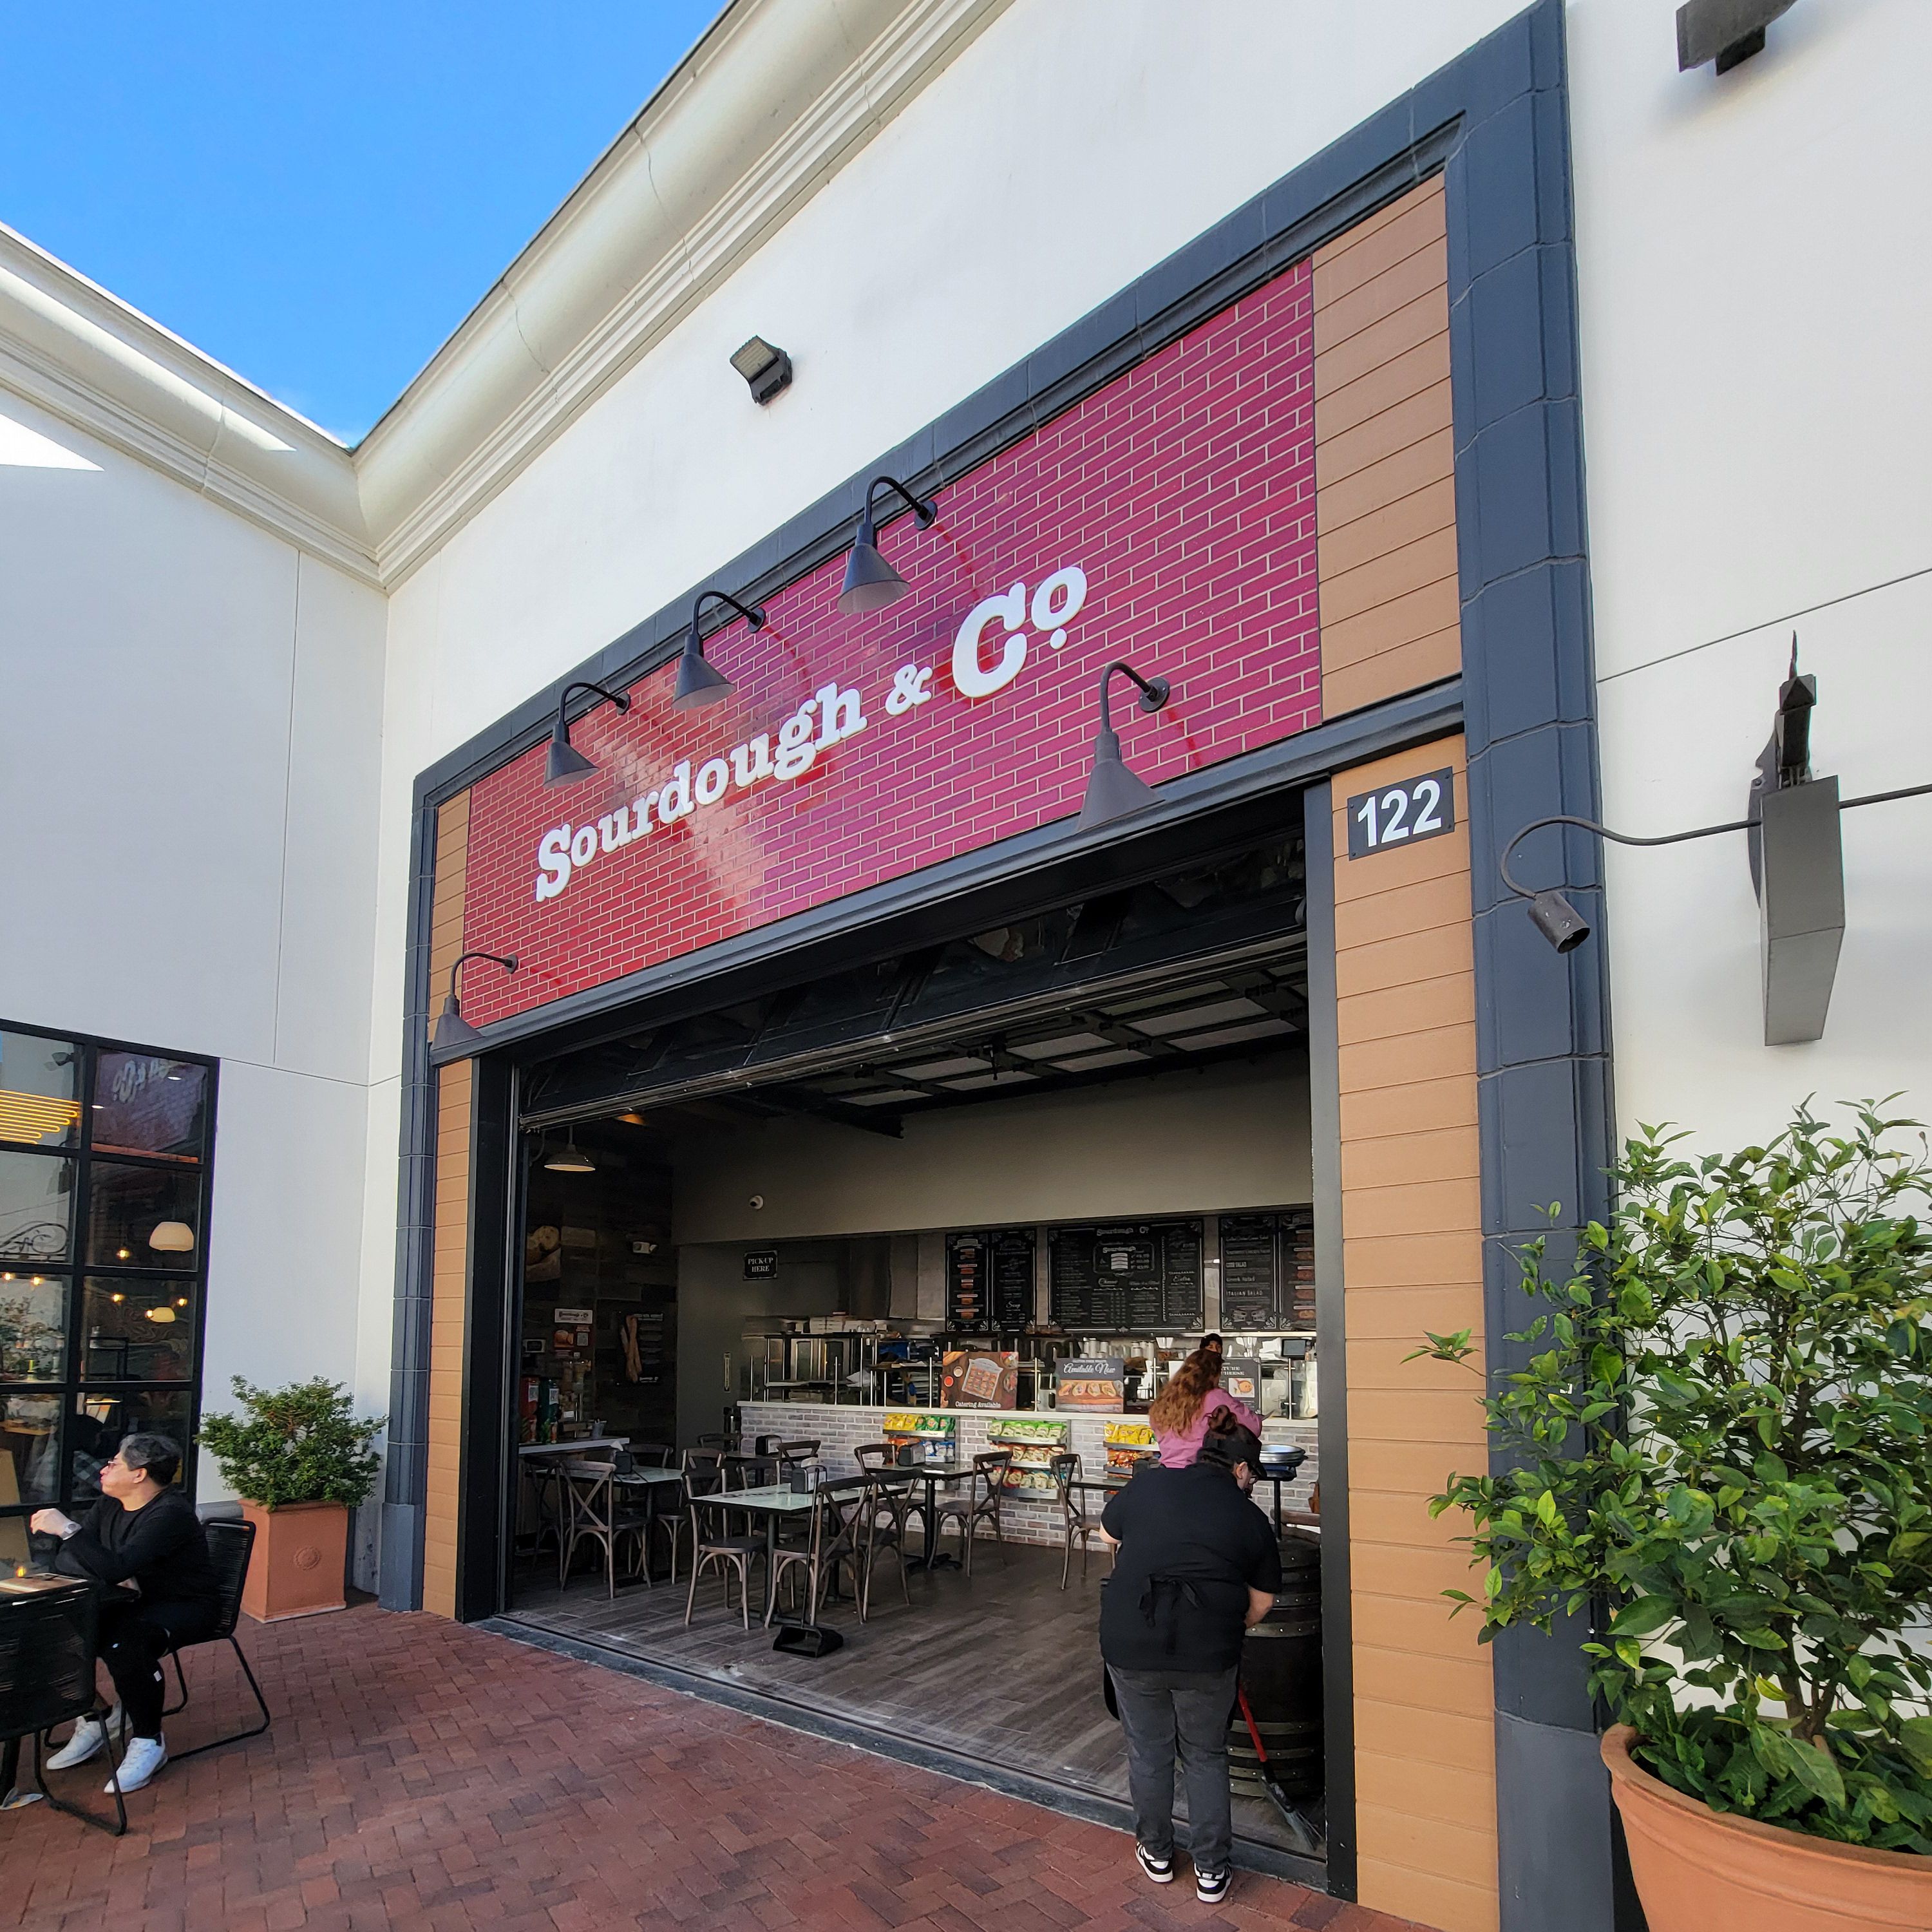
x=315, y=195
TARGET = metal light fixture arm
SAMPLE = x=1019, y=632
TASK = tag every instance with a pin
x=923, y=508
x=508, y=961
x=1154, y=691
x=754, y=614
x=1668, y=838
x=616, y=697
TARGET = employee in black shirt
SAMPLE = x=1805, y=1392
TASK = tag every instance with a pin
x=143, y=1536
x=1197, y=1564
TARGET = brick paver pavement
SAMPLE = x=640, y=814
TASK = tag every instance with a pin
x=420, y=1774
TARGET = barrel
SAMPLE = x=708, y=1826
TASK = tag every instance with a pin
x=1281, y=1673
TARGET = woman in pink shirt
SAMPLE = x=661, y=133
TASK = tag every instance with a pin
x=1178, y=1415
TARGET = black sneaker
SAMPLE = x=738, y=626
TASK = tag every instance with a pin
x=1210, y=1888
x=1161, y=1870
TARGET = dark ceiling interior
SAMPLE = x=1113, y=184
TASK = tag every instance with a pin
x=1199, y=966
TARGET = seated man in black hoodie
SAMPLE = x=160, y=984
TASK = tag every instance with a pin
x=1197, y=1564
x=144, y=1533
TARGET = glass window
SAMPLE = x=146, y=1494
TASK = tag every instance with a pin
x=137, y=1331
x=101, y=1419
x=33, y=1326
x=127, y=1206
x=144, y=1104
x=36, y=1206
x=40, y=1089
x=29, y=1449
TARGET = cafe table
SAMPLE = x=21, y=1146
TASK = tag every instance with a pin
x=653, y=1483
x=774, y=1502
x=931, y=1475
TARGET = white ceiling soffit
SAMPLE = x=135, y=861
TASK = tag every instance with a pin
x=84, y=356
x=767, y=107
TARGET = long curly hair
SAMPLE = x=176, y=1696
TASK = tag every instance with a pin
x=1173, y=1411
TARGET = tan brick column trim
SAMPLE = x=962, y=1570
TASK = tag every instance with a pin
x=1426, y=1814
x=1384, y=456
x=449, y=1264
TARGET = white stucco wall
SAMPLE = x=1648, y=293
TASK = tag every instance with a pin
x=190, y=732
x=1757, y=402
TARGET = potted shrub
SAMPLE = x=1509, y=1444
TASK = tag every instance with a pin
x=1720, y=1445
x=300, y=1462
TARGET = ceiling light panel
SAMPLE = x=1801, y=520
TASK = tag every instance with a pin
x=1062, y=1043
x=1233, y=1036
x=939, y=1069
x=1092, y=1062
x=1189, y=1019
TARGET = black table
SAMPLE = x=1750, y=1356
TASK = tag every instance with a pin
x=931, y=1475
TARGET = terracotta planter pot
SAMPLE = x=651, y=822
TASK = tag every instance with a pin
x=301, y=1550
x=1701, y=1870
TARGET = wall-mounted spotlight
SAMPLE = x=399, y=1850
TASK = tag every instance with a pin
x=565, y=765
x=1726, y=31
x=570, y=1158
x=1112, y=791
x=698, y=682
x=1797, y=867
x=454, y=1033
x=870, y=583
x=766, y=368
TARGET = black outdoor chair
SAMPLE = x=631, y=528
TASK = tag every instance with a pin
x=230, y=1547
x=882, y=1528
x=46, y=1678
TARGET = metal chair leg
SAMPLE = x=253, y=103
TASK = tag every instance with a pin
x=181, y=1679
x=233, y=1737
x=118, y=1829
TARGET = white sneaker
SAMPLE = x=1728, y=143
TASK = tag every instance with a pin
x=89, y=1735
x=145, y=1756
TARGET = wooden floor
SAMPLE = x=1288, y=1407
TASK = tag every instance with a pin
x=1003, y=1667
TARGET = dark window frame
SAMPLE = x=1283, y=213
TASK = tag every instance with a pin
x=73, y=1386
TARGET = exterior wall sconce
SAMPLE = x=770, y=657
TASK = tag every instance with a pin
x=1112, y=791
x=699, y=682
x=454, y=1033
x=870, y=583
x=767, y=368
x=570, y=1158
x=565, y=765
x=172, y=1237
x=1726, y=31
x=1797, y=861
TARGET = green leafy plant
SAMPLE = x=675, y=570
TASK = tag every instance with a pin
x=1720, y=1445
x=298, y=1445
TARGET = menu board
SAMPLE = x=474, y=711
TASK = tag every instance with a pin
x=967, y=1310
x=1093, y=1382
x=1010, y=1263
x=1297, y=1267
x=1250, y=1272
x=1127, y=1277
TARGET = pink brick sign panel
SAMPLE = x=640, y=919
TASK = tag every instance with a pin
x=1168, y=519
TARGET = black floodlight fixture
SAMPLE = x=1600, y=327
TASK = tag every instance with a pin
x=454, y=1033
x=870, y=583
x=1726, y=31
x=699, y=682
x=565, y=765
x=1112, y=791
x=766, y=368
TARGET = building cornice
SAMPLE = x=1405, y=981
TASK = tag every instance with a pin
x=69, y=347
x=777, y=97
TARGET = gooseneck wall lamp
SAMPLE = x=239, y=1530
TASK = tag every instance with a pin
x=870, y=583
x=565, y=765
x=1797, y=864
x=1112, y=791
x=699, y=682
x=454, y=1033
